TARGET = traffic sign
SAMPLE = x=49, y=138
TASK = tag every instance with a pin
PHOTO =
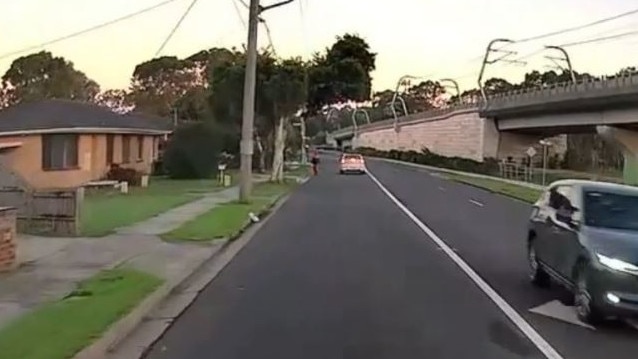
x=531, y=152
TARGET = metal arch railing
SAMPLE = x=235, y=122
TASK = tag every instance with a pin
x=598, y=84
x=467, y=105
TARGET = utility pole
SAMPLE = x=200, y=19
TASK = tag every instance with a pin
x=248, y=113
x=302, y=130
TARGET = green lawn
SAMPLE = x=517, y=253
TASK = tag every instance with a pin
x=228, y=219
x=300, y=171
x=61, y=329
x=103, y=211
x=525, y=194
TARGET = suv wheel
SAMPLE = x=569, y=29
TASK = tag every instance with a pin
x=585, y=307
x=537, y=274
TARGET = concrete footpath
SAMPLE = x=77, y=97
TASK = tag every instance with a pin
x=50, y=268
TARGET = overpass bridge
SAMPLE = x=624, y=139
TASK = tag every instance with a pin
x=507, y=124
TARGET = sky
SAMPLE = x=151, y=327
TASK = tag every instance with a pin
x=432, y=39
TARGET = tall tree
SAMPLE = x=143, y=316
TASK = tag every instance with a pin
x=342, y=73
x=117, y=100
x=285, y=91
x=158, y=84
x=44, y=76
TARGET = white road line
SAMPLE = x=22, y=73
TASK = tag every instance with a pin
x=442, y=189
x=507, y=309
x=476, y=203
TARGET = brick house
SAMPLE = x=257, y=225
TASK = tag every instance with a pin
x=62, y=143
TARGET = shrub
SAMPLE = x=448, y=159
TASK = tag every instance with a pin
x=121, y=174
x=193, y=151
x=489, y=166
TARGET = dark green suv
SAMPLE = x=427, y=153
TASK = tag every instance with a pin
x=584, y=235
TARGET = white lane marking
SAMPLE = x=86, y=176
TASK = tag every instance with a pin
x=476, y=203
x=507, y=309
x=442, y=189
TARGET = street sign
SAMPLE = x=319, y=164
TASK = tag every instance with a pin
x=531, y=152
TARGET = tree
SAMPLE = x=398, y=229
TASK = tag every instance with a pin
x=116, y=99
x=158, y=84
x=42, y=76
x=423, y=96
x=285, y=91
x=193, y=151
x=342, y=73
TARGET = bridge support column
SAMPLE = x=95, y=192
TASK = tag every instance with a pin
x=628, y=142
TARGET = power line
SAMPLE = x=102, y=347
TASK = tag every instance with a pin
x=176, y=27
x=563, y=31
x=238, y=12
x=600, y=39
x=87, y=30
x=579, y=27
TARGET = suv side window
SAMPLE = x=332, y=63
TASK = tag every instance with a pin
x=560, y=197
x=562, y=201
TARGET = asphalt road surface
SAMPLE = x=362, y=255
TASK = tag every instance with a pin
x=341, y=271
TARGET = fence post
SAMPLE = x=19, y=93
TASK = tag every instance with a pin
x=79, y=200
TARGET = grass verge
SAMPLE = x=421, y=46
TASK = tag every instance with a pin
x=525, y=194
x=230, y=219
x=104, y=211
x=60, y=329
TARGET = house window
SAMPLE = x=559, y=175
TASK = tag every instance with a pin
x=59, y=152
x=140, y=147
x=126, y=149
x=110, y=139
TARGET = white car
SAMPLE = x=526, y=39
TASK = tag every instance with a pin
x=352, y=163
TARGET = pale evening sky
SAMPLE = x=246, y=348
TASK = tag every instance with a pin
x=419, y=37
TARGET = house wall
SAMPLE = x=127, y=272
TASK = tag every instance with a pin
x=26, y=160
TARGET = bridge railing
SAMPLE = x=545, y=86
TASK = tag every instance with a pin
x=442, y=111
x=583, y=88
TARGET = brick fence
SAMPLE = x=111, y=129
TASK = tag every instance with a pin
x=8, y=240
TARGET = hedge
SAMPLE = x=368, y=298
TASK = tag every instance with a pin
x=488, y=167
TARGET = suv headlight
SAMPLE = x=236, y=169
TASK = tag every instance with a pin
x=617, y=264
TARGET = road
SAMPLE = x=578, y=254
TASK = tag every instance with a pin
x=342, y=272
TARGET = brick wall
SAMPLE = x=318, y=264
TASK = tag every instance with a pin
x=456, y=134
x=8, y=243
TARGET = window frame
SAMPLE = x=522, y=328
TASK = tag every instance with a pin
x=110, y=149
x=140, y=148
x=70, y=157
x=126, y=149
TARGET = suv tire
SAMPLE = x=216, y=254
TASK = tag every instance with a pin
x=537, y=274
x=586, y=309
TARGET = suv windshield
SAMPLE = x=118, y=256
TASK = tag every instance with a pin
x=611, y=210
x=352, y=157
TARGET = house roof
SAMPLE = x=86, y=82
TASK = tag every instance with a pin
x=50, y=116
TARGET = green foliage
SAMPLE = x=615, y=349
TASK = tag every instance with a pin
x=193, y=151
x=42, y=76
x=488, y=167
x=342, y=73
x=159, y=83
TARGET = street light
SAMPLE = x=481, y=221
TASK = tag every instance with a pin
x=394, y=99
x=403, y=105
x=302, y=132
x=487, y=61
x=329, y=114
x=565, y=58
x=455, y=85
x=545, y=145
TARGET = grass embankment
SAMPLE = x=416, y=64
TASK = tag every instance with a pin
x=526, y=194
x=59, y=330
x=229, y=219
x=105, y=210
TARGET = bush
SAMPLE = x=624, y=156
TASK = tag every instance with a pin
x=489, y=166
x=121, y=174
x=193, y=151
